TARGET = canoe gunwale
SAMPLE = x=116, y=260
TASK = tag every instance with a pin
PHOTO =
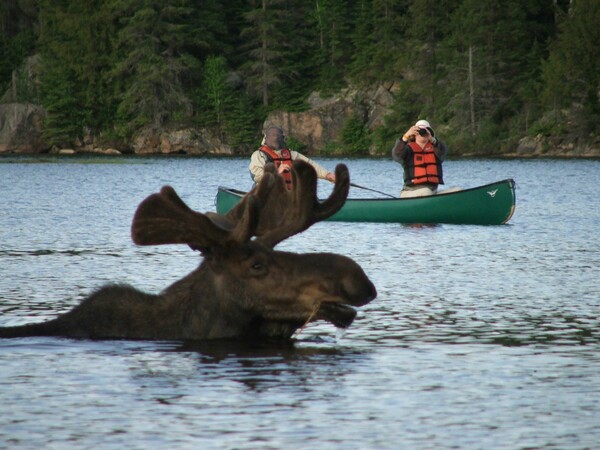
x=512, y=183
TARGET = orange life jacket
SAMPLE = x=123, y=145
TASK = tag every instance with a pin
x=424, y=166
x=285, y=158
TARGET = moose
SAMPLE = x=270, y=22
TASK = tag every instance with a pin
x=243, y=288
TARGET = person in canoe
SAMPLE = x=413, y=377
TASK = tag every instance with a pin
x=421, y=155
x=273, y=150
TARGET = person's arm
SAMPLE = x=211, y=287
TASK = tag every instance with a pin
x=399, y=150
x=322, y=172
x=440, y=149
x=257, y=165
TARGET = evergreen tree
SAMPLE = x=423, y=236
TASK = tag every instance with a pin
x=265, y=37
x=299, y=68
x=75, y=47
x=488, y=57
x=241, y=122
x=389, y=36
x=221, y=104
x=63, y=70
x=18, y=34
x=471, y=65
x=571, y=74
x=152, y=59
x=418, y=67
x=361, y=68
x=64, y=118
x=428, y=25
x=333, y=24
x=215, y=84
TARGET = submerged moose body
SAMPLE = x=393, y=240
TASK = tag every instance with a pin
x=243, y=287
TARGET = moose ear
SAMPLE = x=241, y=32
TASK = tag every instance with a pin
x=164, y=218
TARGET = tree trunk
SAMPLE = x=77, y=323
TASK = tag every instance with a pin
x=14, y=86
x=471, y=91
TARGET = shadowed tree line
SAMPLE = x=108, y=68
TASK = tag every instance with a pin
x=486, y=72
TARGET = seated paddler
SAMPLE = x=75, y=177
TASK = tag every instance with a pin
x=273, y=149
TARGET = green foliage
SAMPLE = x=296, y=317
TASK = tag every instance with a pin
x=17, y=38
x=355, y=137
x=571, y=74
x=331, y=148
x=64, y=118
x=13, y=51
x=332, y=23
x=294, y=144
x=406, y=109
x=551, y=125
x=214, y=88
x=484, y=72
x=266, y=48
x=240, y=121
x=152, y=59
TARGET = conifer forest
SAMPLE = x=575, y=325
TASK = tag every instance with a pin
x=490, y=71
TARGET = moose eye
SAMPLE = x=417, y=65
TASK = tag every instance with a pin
x=258, y=269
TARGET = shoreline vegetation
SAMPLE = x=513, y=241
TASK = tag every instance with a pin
x=179, y=76
x=101, y=157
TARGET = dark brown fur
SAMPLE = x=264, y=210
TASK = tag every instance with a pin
x=243, y=287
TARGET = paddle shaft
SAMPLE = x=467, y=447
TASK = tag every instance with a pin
x=372, y=190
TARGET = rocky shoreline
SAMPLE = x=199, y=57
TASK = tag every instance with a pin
x=21, y=132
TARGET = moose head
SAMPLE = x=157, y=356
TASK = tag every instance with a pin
x=243, y=287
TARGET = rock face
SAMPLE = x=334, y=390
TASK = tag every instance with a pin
x=189, y=141
x=324, y=121
x=21, y=128
x=564, y=147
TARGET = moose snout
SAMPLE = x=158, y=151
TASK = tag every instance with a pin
x=358, y=290
x=351, y=285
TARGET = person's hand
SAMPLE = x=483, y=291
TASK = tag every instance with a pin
x=330, y=177
x=410, y=134
x=283, y=168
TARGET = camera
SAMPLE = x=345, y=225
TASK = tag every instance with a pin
x=423, y=132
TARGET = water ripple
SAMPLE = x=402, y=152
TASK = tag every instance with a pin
x=481, y=337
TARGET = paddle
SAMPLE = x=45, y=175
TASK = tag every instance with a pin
x=372, y=190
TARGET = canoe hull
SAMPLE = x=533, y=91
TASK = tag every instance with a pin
x=491, y=204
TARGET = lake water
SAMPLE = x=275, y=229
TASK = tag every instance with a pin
x=480, y=338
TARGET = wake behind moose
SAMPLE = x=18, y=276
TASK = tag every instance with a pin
x=243, y=287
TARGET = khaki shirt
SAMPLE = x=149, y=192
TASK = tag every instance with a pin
x=259, y=159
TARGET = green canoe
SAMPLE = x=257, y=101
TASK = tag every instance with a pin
x=491, y=204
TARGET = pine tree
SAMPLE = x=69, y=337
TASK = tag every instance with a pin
x=389, y=36
x=333, y=24
x=151, y=60
x=489, y=57
x=18, y=35
x=214, y=92
x=75, y=48
x=64, y=118
x=265, y=48
x=63, y=66
x=571, y=74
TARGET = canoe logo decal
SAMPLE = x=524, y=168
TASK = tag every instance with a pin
x=492, y=193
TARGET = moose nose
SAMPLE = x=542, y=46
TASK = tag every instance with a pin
x=358, y=290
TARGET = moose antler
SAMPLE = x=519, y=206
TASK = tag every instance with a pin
x=270, y=212
x=164, y=218
x=285, y=212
